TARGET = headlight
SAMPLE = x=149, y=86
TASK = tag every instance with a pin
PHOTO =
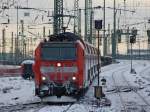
x=59, y=64
x=74, y=78
x=43, y=78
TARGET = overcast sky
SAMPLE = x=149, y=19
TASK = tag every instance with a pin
x=141, y=7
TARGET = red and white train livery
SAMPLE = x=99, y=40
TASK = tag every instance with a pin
x=64, y=65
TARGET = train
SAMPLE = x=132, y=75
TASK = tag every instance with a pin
x=64, y=66
x=26, y=68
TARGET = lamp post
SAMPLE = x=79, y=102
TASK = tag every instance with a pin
x=98, y=54
x=114, y=33
x=139, y=49
x=131, y=55
x=98, y=27
x=105, y=38
x=17, y=38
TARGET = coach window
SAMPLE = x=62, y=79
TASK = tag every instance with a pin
x=88, y=74
x=92, y=50
x=88, y=50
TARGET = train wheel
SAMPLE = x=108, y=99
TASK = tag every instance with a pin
x=81, y=93
x=25, y=76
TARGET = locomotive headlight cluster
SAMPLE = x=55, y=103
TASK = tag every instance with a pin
x=74, y=78
x=43, y=78
x=59, y=64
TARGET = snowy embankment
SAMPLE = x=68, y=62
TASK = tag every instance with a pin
x=15, y=90
x=10, y=70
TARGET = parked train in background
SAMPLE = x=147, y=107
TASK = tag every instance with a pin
x=27, y=71
x=64, y=65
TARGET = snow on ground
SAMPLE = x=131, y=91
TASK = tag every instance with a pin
x=15, y=90
x=135, y=80
x=8, y=66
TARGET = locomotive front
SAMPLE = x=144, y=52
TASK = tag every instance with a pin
x=56, y=68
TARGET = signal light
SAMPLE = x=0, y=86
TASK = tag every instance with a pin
x=149, y=21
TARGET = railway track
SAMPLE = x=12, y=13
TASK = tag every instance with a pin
x=118, y=91
x=68, y=108
x=128, y=108
x=38, y=105
x=147, y=104
x=85, y=100
x=22, y=107
x=143, y=71
x=135, y=91
x=35, y=107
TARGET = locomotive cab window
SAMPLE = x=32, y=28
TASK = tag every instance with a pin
x=59, y=52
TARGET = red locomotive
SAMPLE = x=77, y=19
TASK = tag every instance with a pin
x=64, y=65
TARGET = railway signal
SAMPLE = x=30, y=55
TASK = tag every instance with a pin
x=98, y=27
x=132, y=41
x=148, y=34
x=103, y=80
x=98, y=89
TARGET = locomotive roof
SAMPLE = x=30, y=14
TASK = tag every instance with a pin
x=67, y=36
